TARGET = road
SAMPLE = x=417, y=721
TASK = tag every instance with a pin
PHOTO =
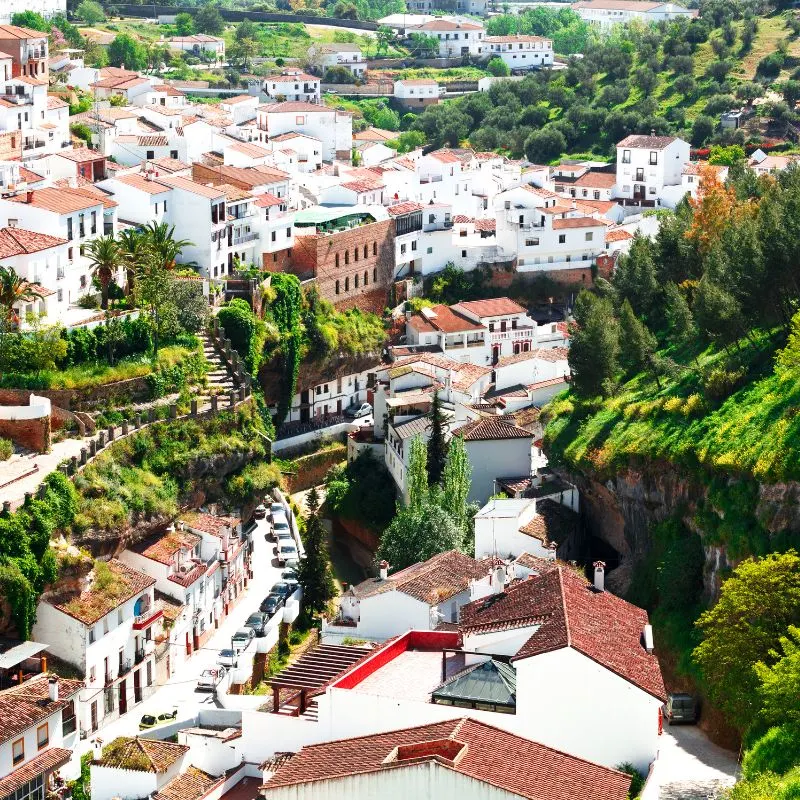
x=179, y=692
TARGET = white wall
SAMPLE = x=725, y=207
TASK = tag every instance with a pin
x=496, y=459
x=127, y=784
x=391, y=613
x=31, y=742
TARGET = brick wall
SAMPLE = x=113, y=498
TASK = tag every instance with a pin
x=31, y=433
x=277, y=262
x=10, y=146
x=339, y=264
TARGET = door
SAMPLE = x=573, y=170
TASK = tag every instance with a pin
x=123, y=697
x=94, y=716
x=495, y=353
x=638, y=191
x=137, y=687
x=305, y=401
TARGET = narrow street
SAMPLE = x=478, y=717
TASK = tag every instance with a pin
x=179, y=692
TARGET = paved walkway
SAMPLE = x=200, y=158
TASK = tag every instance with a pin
x=690, y=766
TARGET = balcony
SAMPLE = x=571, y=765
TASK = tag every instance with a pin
x=147, y=618
x=245, y=237
x=513, y=334
x=109, y=680
x=124, y=667
x=31, y=145
x=138, y=656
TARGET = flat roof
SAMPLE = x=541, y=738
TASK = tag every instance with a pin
x=13, y=652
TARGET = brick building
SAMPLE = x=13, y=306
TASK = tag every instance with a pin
x=349, y=252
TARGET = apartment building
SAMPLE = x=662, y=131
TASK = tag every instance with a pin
x=334, y=129
x=105, y=630
x=292, y=85
x=27, y=49
x=521, y=52
x=649, y=170
x=456, y=38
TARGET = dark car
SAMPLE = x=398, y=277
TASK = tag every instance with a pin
x=283, y=588
x=681, y=707
x=258, y=623
x=272, y=603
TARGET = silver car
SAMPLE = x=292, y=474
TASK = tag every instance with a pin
x=286, y=552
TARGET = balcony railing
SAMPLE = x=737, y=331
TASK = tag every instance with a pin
x=68, y=726
x=109, y=679
x=245, y=237
x=512, y=333
x=147, y=618
x=124, y=668
x=138, y=656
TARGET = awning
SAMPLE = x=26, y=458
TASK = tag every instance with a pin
x=13, y=652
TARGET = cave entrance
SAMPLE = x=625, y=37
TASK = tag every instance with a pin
x=600, y=550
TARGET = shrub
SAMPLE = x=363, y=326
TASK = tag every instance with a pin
x=637, y=779
x=778, y=751
x=720, y=383
x=6, y=449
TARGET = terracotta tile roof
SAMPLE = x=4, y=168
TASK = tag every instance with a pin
x=51, y=759
x=233, y=194
x=432, y=581
x=94, y=603
x=188, y=185
x=55, y=102
x=28, y=175
x=162, y=547
x=551, y=354
x=595, y=206
x=141, y=755
x=170, y=164
x=491, y=429
x=552, y=523
x=249, y=149
x=409, y=207
x=267, y=200
x=28, y=704
x=595, y=180
x=93, y=192
x=536, y=563
x=60, y=201
x=462, y=219
x=360, y=186
x=445, y=156
x=301, y=77
x=569, y=612
x=449, y=25
x=194, y=784
x=482, y=752
x=18, y=241
x=119, y=83
x=578, y=222
x=195, y=38
x=544, y=193
x=138, y=181
x=81, y=154
x=485, y=224
x=171, y=91
x=446, y=320
x=619, y=235
x=18, y=32
x=498, y=307
x=295, y=105
x=647, y=142
x=514, y=39
x=548, y=382
x=209, y=523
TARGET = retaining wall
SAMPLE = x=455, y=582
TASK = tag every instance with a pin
x=27, y=425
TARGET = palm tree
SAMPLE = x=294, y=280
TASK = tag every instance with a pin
x=104, y=260
x=161, y=238
x=13, y=289
x=132, y=245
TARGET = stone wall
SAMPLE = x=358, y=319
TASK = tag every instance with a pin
x=31, y=433
x=132, y=388
x=310, y=470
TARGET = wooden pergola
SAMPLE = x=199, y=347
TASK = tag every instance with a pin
x=313, y=670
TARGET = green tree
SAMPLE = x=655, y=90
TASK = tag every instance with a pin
x=780, y=682
x=635, y=277
x=702, y=130
x=160, y=238
x=417, y=478
x=637, y=344
x=757, y=604
x=726, y=156
x=242, y=51
x=544, y=145
x=13, y=289
x=385, y=38
x=314, y=573
x=456, y=484
x=594, y=350
x=498, y=68
x=105, y=259
x=717, y=312
x=678, y=315
x=423, y=45
x=30, y=19
x=184, y=24
x=239, y=322
x=246, y=29
x=154, y=295
x=209, y=20
x=437, y=445
x=90, y=12
x=125, y=50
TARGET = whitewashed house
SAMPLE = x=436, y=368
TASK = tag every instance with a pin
x=200, y=45
x=604, y=14
x=349, y=56
x=649, y=170
x=106, y=632
x=292, y=84
x=419, y=597
x=521, y=52
x=456, y=37
x=334, y=129
x=417, y=92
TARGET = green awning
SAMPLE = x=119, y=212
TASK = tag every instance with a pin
x=319, y=215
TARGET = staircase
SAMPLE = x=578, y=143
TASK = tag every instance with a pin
x=218, y=378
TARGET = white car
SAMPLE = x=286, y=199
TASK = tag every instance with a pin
x=210, y=678
x=358, y=411
x=228, y=658
x=286, y=551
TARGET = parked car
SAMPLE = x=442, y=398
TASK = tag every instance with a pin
x=258, y=623
x=260, y=512
x=356, y=411
x=292, y=563
x=681, y=707
x=277, y=508
x=284, y=534
x=289, y=574
x=210, y=678
x=282, y=588
x=151, y=720
x=271, y=604
x=228, y=658
x=286, y=552
x=241, y=639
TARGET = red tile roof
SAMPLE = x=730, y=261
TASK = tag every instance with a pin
x=294, y=105
x=141, y=755
x=18, y=32
x=485, y=224
x=445, y=156
x=578, y=222
x=490, y=429
x=569, y=612
x=479, y=751
x=209, y=523
x=443, y=318
x=18, y=241
x=498, y=307
x=300, y=77
x=266, y=200
x=432, y=581
x=647, y=142
x=56, y=102
x=619, y=235
x=551, y=354
x=194, y=784
x=81, y=154
x=51, y=759
x=138, y=181
x=163, y=546
x=60, y=201
x=409, y=207
x=28, y=704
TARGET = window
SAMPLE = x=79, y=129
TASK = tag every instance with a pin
x=366, y=251
x=429, y=250
x=431, y=219
x=562, y=238
x=374, y=274
x=173, y=154
x=355, y=254
x=42, y=736
x=653, y=157
x=532, y=242
x=355, y=281
x=402, y=249
x=626, y=156
x=366, y=278
x=274, y=236
x=651, y=190
x=151, y=154
x=337, y=287
x=337, y=264
x=374, y=248
x=18, y=751
x=596, y=194
x=299, y=120
x=92, y=674
x=346, y=258
x=589, y=236
x=463, y=254
x=91, y=635
x=414, y=245
x=69, y=233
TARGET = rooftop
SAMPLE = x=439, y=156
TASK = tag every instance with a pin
x=209, y=523
x=491, y=429
x=113, y=584
x=59, y=201
x=18, y=241
x=551, y=524
x=646, y=142
x=162, y=547
x=443, y=318
x=141, y=755
x=498, y=307
x=193, y=784
x=490, y=682
x=482, y=752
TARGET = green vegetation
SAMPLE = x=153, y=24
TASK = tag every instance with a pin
x=315, y=575
x=151, y=472
x=570, y=34
x=246, y=332
x=27, y=563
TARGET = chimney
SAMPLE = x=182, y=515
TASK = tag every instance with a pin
x=384, y=570
x=29, y=196
x=652, y=131
x=647, y=635
x=97, y=749
x=52, y=688
x=499, y=579
x=599, y=575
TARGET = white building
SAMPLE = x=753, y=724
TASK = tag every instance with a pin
x=457, y=38
x=334, y=129
x=39, y=734
x=106, y=632
x=649, y=170
x=200, y=45
x=419, y=597
x=521, y=52
x=292, y=85
x=418, y=92
x=606, y=13
x=693, y=173
x=581, y=181
x=349, y=56
x=47, y=8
